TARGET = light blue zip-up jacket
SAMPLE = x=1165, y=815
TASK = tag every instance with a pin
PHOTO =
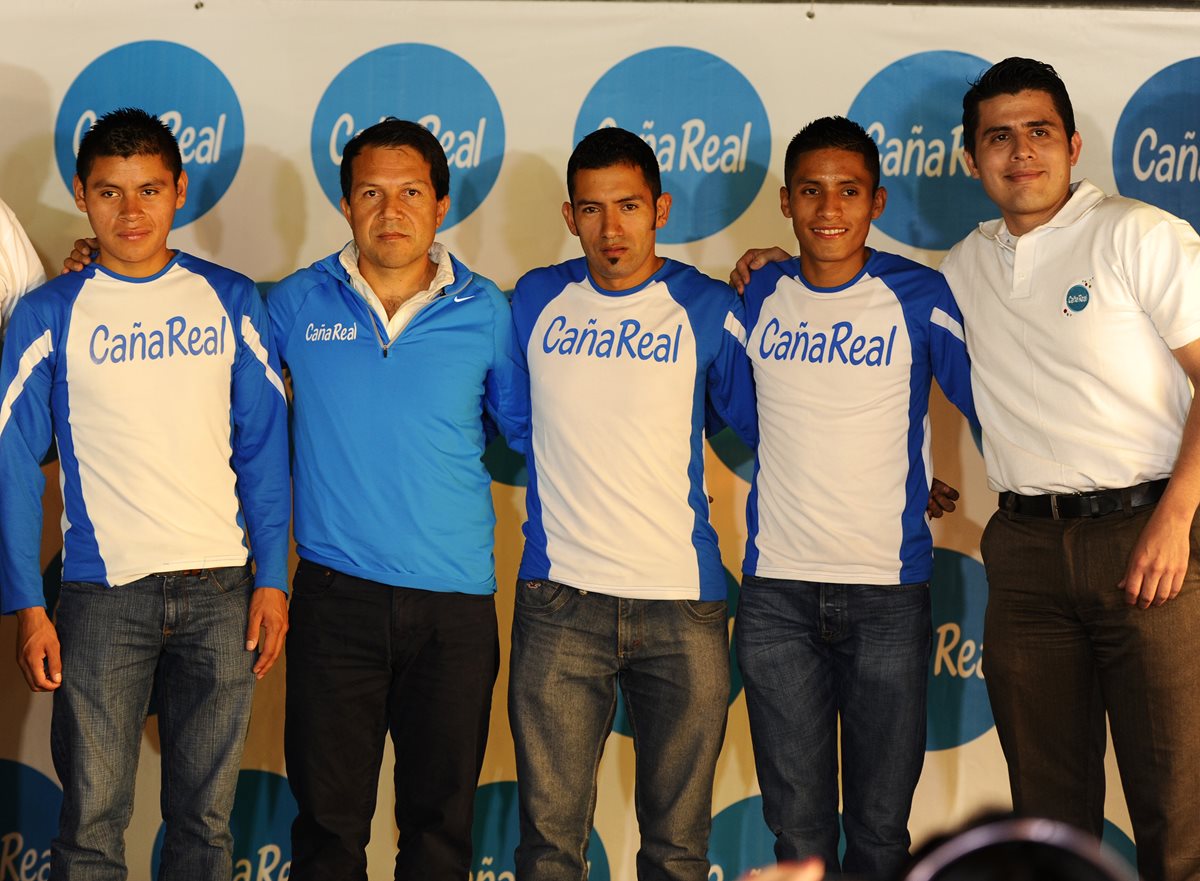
x=387, y=436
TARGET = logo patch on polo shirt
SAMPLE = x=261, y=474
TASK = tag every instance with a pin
x=1078, y=296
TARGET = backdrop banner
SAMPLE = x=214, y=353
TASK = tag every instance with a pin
x=263, y=94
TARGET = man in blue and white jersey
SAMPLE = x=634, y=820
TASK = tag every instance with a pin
x=398, y=354
x=621, y=583
x=154, y=373
x=20, y=268
x=834, y=615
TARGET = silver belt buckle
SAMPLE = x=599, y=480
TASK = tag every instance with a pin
x=1054, y=506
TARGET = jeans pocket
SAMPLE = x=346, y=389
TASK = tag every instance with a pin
x=228, y=579
x=73, y=586
x=536, y=597
x=311, y=580
x=704, y=611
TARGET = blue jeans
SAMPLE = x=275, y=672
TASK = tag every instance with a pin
x=809, y=653
x=570, y=651
x=182, y=638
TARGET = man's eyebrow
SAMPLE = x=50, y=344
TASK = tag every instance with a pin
x=404, y=183
x=1033, y=123
x=631, y=198
x=821, y=182
x=104, y=182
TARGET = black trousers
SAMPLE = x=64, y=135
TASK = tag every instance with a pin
x=1064, y=650
x=365, y=659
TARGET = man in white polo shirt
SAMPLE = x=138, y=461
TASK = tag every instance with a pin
x=20, y=268
x=1082, y=314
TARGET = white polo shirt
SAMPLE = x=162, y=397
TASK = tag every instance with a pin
x=1070, y=329
x=20, y=268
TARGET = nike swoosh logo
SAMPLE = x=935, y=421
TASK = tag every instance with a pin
x=464, y=299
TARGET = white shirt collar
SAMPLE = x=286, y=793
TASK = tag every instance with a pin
x=443, y=278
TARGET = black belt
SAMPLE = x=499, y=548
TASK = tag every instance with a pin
x=1067, y=506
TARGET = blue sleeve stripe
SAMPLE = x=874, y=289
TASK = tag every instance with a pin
x=254, y=343
x=36, y=352
x=944, y=320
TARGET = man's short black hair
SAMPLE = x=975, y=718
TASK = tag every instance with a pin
x=832, y=133
x=1008, y=77
x=396, y=133
x=607, y=147
x=127, y=132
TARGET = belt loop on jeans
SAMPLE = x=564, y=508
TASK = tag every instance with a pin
x=1072, y=506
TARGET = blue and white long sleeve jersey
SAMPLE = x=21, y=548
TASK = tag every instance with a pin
x=842, y=377
x=619, y=381
x=165, y=398
x=388, y=433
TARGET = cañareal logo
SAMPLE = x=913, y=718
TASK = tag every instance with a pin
x=495, y=833
x=1156, y=156
x=913, y=110
x=261, y=823
x=705, y=123
x=959, y=710
x=180, y=86
x=28, y=820
x=427, y=85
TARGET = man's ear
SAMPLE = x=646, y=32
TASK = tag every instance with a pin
x=662, y=210
x=78, y=189
x=181, y=188
x=970, y=160
x=569, y=216
x=443, y=207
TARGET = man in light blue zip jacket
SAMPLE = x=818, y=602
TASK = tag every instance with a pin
x=399, y=356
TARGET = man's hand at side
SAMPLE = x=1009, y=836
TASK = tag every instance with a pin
x=1160, y=558
x=942, y=497
x=268, y=617
x=37, y=649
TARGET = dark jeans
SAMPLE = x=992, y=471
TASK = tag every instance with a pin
x=183, y=638
x=1062, y=649
x=365, y=659
x=570, y=651
x=811, y=653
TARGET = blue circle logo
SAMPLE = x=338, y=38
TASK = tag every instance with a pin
x=496, y=830
x=621, y=719
x=705, y=123
x=504, y=465
x=913, y=110
x=959, y=710
x=1115, y=838
x=205, y=117
x=740, y=840
x=261, y=823
x=1078, y=298
x=730, y=449
x=430, y=86
x=28, y=820
x=1156, y=156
